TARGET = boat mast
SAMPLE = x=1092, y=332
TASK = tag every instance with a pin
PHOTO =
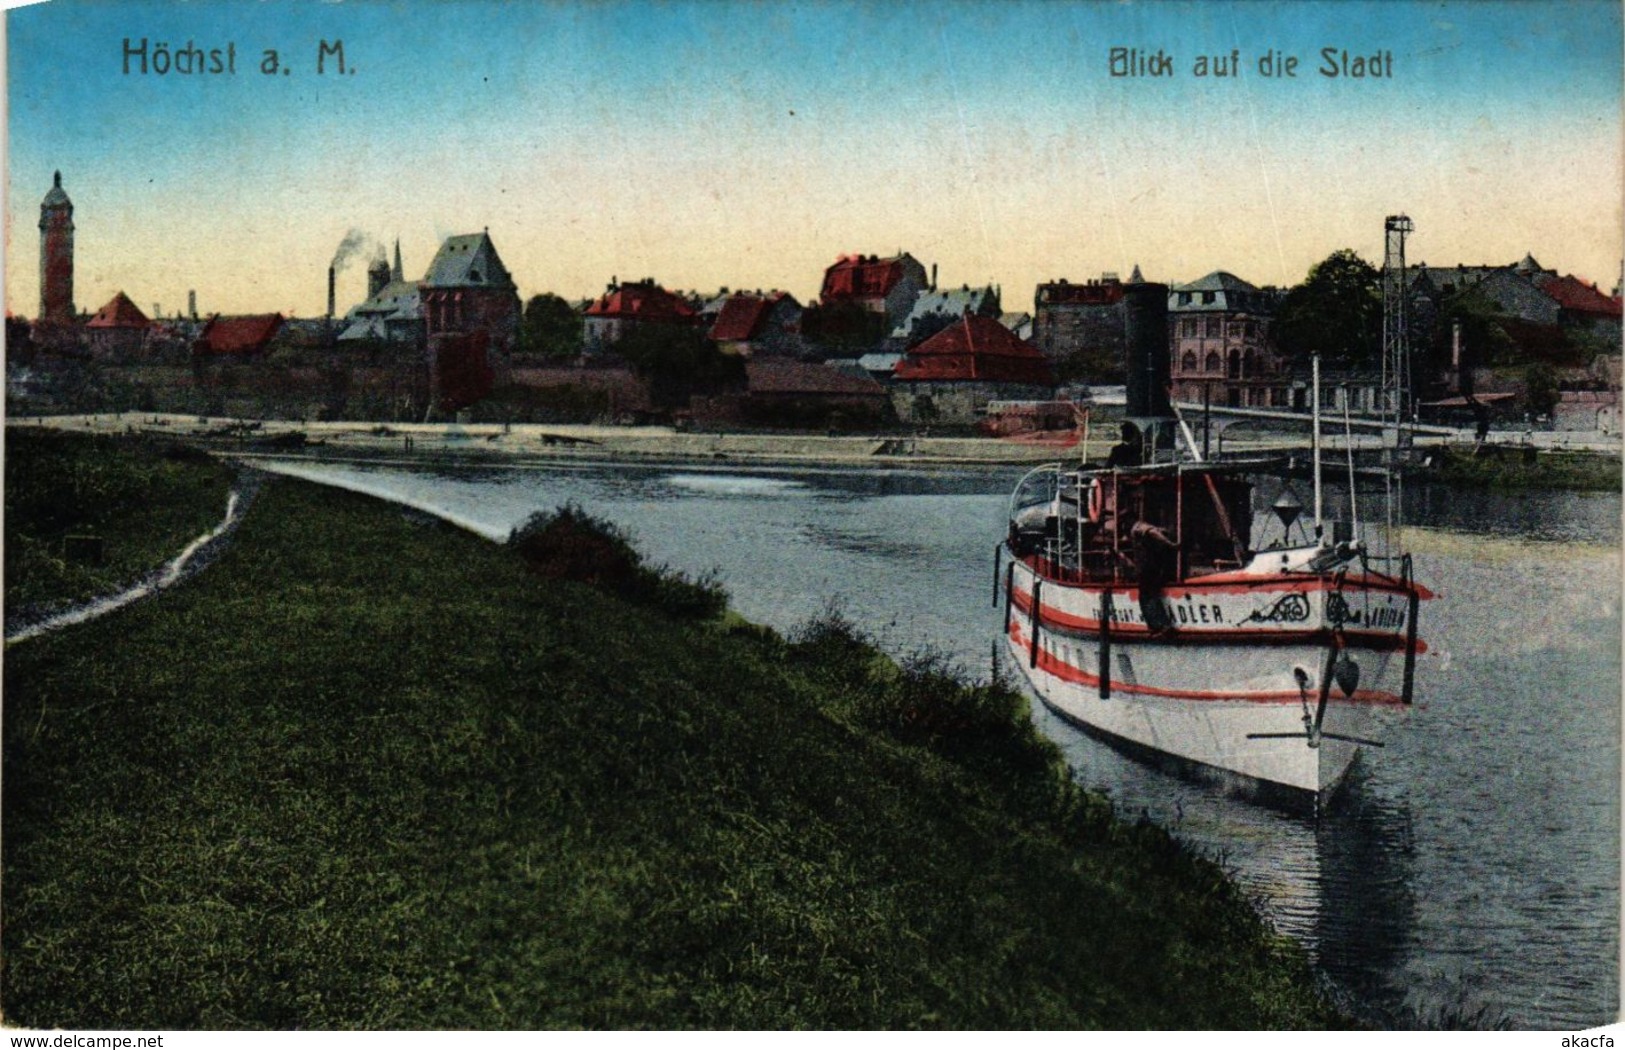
x=1314, y=441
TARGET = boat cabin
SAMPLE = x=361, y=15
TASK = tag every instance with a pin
x=1135, y=524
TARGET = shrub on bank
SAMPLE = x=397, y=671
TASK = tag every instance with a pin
x=570, y=544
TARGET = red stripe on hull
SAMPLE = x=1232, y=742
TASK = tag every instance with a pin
x=1066, y=672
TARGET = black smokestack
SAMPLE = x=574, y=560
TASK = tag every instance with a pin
x=1145, y=351
x=332, y=280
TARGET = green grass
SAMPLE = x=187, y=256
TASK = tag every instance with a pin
x=1517, y=469
x=371, y=772
x=145, y=500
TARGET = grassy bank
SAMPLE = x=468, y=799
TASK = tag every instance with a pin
x=1512, y=469
x=369, y=771
x=143, y=500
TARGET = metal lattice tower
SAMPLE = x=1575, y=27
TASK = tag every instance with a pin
x=1396, y=342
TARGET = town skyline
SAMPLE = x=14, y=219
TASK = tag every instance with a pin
x=623, y=141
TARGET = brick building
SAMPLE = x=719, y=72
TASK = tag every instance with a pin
x=1079, y=327
x=471, y=320
x=56, y=256
x=1220, y=348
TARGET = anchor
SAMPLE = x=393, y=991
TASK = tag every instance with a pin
x=1339, y=668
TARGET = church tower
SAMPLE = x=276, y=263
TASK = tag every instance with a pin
x=56, y=256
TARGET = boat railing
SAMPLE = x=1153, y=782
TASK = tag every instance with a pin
x=1038, y=485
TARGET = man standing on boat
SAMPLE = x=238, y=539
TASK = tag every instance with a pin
x=1154, y=562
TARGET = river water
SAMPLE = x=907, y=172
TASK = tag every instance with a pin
x=1468, y=874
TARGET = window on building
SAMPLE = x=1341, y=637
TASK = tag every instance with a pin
x=1188, y=362
x=1207, y=297
x=1213, y=327
x=1213, y=364
x=1184, y=298
x=1234, y=371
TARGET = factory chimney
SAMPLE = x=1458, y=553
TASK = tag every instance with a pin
x=191, y=303
x=332, y=279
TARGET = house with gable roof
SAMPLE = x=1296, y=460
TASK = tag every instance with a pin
x=887, y=286
x=245, y=336
x=1539, y=306
x=623, y=307
x=756, y=324
x=951, y=377
x=471, y=320
x=119, y=329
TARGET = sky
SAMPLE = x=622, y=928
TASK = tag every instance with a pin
x=716, y=143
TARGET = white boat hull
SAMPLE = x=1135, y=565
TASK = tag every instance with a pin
x=1205, y=691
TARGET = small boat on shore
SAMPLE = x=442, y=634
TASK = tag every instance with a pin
x=1141, y=606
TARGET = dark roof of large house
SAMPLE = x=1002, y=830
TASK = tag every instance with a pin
x=119, y=312
x=743, y=316
x=642, y=301
x=1104, y=292
x=238, y=335
x=786, y=377
x=1217, y=281
x=976, y=347
x=468, y=260
x=950, y=302
x=863, y=276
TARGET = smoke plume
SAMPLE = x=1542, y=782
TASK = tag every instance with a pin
x=355, y=243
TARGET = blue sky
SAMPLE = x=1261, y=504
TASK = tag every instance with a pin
x=748, y=144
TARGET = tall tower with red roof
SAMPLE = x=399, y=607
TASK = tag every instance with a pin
x=56, y=256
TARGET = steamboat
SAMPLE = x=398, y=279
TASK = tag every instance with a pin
x=1139, y=605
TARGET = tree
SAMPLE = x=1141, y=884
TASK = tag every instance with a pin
x=844, y=328
x=678, y=361
x=550, y=327
x=1540, y=388
x=1484, y=342
x=1336, y=311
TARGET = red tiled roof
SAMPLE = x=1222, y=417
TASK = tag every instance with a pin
x=976, y=347
x=642, y=302
x=741, y=317
x=238, y=335
x=119, y=313
x=860, y=277
x=1571, y=293
x=786, y=376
